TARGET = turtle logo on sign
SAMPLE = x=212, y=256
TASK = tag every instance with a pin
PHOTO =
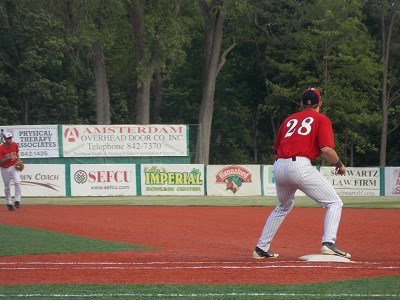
x=233, y=177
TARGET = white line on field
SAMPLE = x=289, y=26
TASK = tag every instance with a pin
x=194, y=295
x=186, y=268
x=187, y=265
x=258, y=262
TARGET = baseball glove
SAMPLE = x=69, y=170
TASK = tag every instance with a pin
x=19, y=165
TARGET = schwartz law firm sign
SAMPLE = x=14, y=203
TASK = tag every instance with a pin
x=356, y=181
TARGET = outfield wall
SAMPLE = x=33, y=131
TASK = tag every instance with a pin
x=153, y=179
x=154, y=160
x=99, y=141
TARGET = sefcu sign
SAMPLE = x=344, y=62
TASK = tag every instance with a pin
x=103, y=180
x=107, y=176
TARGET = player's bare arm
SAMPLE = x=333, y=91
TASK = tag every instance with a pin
x=333, y=158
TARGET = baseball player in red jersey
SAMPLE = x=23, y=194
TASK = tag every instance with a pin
x=301, y=138
x=9, y=154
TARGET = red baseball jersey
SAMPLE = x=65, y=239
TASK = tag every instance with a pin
x=4, y=152
x=304, y=134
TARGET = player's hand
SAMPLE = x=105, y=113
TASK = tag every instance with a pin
x=341, y=170
x=13, y=157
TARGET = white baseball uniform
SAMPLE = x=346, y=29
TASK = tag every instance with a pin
x=9, y=172
x=299, y=141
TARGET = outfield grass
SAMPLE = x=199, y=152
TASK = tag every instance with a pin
x=301, y=201
x=17, y=240
x=377, y=288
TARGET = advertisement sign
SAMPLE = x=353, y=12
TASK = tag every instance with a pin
x=172, y=179
x=41, y=180
x=35, y=141
x=103, y=180
x=356, y=181
x=124, y=140
x=229, y=180
x=269, y=182
x=392, y=181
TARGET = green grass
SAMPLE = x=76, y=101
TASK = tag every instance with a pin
x=16, y=240
x=350, y=202
x=376, y=288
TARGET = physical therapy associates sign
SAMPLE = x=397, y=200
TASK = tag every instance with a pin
x=124, y=140
x=35, y=141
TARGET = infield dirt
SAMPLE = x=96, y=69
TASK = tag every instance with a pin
x=201, y=245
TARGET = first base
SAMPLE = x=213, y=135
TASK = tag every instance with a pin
x=324, y=258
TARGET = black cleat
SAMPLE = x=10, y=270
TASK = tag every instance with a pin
x=261, y=254
x=10, y=207
x=17, y=204
x=331, y=249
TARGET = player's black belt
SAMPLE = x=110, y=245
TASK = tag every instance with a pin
x=293, y=158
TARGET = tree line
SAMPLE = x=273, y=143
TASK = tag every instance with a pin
x=235, y=69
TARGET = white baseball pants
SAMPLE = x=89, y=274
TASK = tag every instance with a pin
x=300, y=174
x=9, y=174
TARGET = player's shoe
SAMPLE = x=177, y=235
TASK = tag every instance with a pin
x=261, y=254
x=331, y=249
x=10, y=207
x=17, y=204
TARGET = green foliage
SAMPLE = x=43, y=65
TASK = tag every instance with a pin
x=334, y=53
x=183, y=92
x=281, y=48
x=166, y=33
x=35, y=58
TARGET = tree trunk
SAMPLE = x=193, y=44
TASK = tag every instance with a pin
x=384, y=121
x=25, y=109
x=142, y=110
x=351, y=155
x=101, y=85
x=256, y=120
x=213, y=22
x=143, y=98
x=386, y=44
x=158, y=96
